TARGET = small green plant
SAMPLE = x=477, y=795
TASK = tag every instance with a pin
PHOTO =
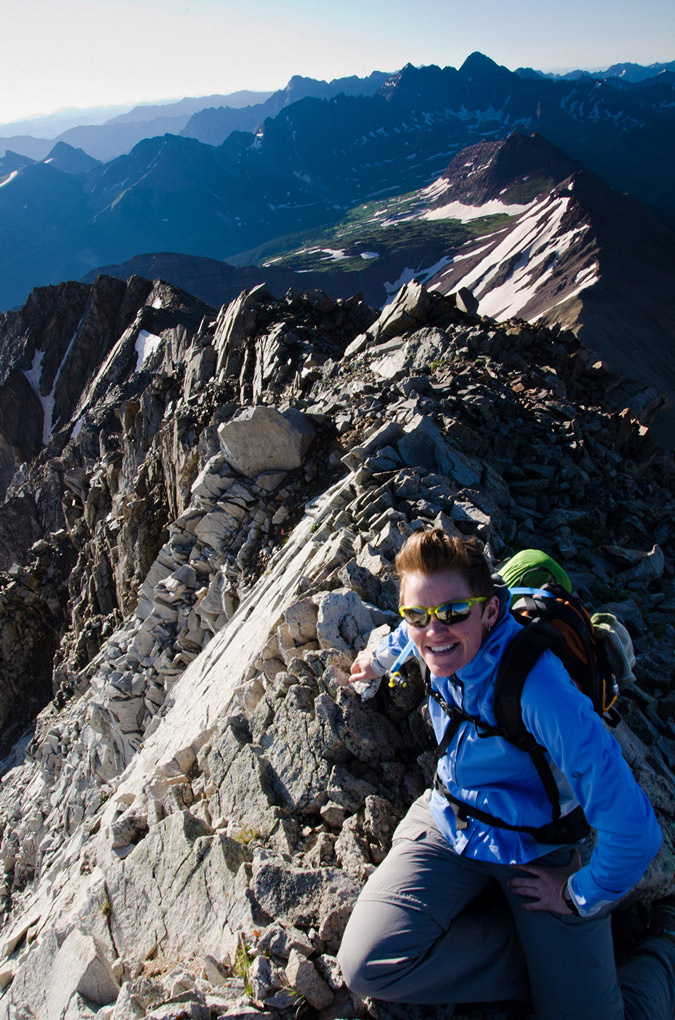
x=242, y=965
x=590, y=530
x=301, y=1003
x=605, y=593
x=106, y=908
x=247, y=834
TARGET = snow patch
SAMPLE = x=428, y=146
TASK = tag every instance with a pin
x=145, y=347
x=392, y=289
x=435, y=189
x=34, y=377
x=465, y=213
x=8, y=179
x=333, y=254
x=370, y=255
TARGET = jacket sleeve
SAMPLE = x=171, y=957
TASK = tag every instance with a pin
x=628, y=836
x=387, y=651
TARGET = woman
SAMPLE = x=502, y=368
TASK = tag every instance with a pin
x=416, y=934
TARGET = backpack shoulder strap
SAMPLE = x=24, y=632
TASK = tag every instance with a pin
x=520, y=656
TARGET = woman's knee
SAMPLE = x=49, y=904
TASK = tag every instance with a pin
x=370, y=944
x=356, y=964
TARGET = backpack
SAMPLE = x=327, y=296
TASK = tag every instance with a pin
x=596, y=652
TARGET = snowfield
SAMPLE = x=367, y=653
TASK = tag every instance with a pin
x=465, y=213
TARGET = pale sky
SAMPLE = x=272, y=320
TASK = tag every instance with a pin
x=57, y=54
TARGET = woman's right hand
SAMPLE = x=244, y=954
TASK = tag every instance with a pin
x=361, y=668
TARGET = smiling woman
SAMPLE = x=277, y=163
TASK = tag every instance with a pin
x=418, y=933
x=466, y=606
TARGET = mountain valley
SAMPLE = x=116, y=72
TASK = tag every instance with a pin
x=315, y=160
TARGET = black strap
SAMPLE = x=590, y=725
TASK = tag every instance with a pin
x=450, y=730
x=518, y=660
x=569, y=828
x=457, y=717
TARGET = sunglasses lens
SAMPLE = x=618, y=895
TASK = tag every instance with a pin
x=453, y=612
x=416, y=617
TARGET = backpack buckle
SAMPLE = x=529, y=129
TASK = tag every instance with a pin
x=460, y=816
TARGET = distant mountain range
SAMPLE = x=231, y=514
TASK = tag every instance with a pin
x=214, y=124
x=210, y=119
x=626, y=72
x=312, y=162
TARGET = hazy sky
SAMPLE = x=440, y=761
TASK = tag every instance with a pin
x=80, y=53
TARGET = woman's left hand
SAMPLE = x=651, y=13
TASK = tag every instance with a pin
x=544, y=886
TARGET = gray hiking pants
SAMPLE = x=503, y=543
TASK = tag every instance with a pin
x=415, y=937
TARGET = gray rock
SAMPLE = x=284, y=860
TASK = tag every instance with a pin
x=405, y=312
x=466, y=302
x=182, y=1010
x=278, y=940
x=264, y=978
x=317, y=897
x=303, y=976
x=261, y=439
x=649, y=568
x=127, y=1006
x=78, y=1009
x=342, y=620
x=351, y=850
x=80, y=967
x=292, y=747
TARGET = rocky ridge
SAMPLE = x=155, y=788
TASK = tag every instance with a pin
x=185, y=827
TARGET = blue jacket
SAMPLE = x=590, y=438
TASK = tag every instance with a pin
x=495, y=776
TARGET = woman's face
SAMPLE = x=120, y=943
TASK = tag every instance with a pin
x=446, y=648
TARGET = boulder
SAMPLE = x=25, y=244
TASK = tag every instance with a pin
x=263, y=439
x=320, y=898
x=405, y=312
x=303, y=976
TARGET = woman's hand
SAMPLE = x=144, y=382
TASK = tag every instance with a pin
x=361, y=667
x=545, y=885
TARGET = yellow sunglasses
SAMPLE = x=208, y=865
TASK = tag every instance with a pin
x=447, y=613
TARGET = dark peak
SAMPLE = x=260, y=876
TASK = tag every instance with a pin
x=10, y=154
x=529, y=72
x=478, y=64
x=534, y=153
x=67, y=157
x=62, y=149
x=14, y=161
x=412, y=84
x=515, y=169
x=298, y=81
x=516, y=154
